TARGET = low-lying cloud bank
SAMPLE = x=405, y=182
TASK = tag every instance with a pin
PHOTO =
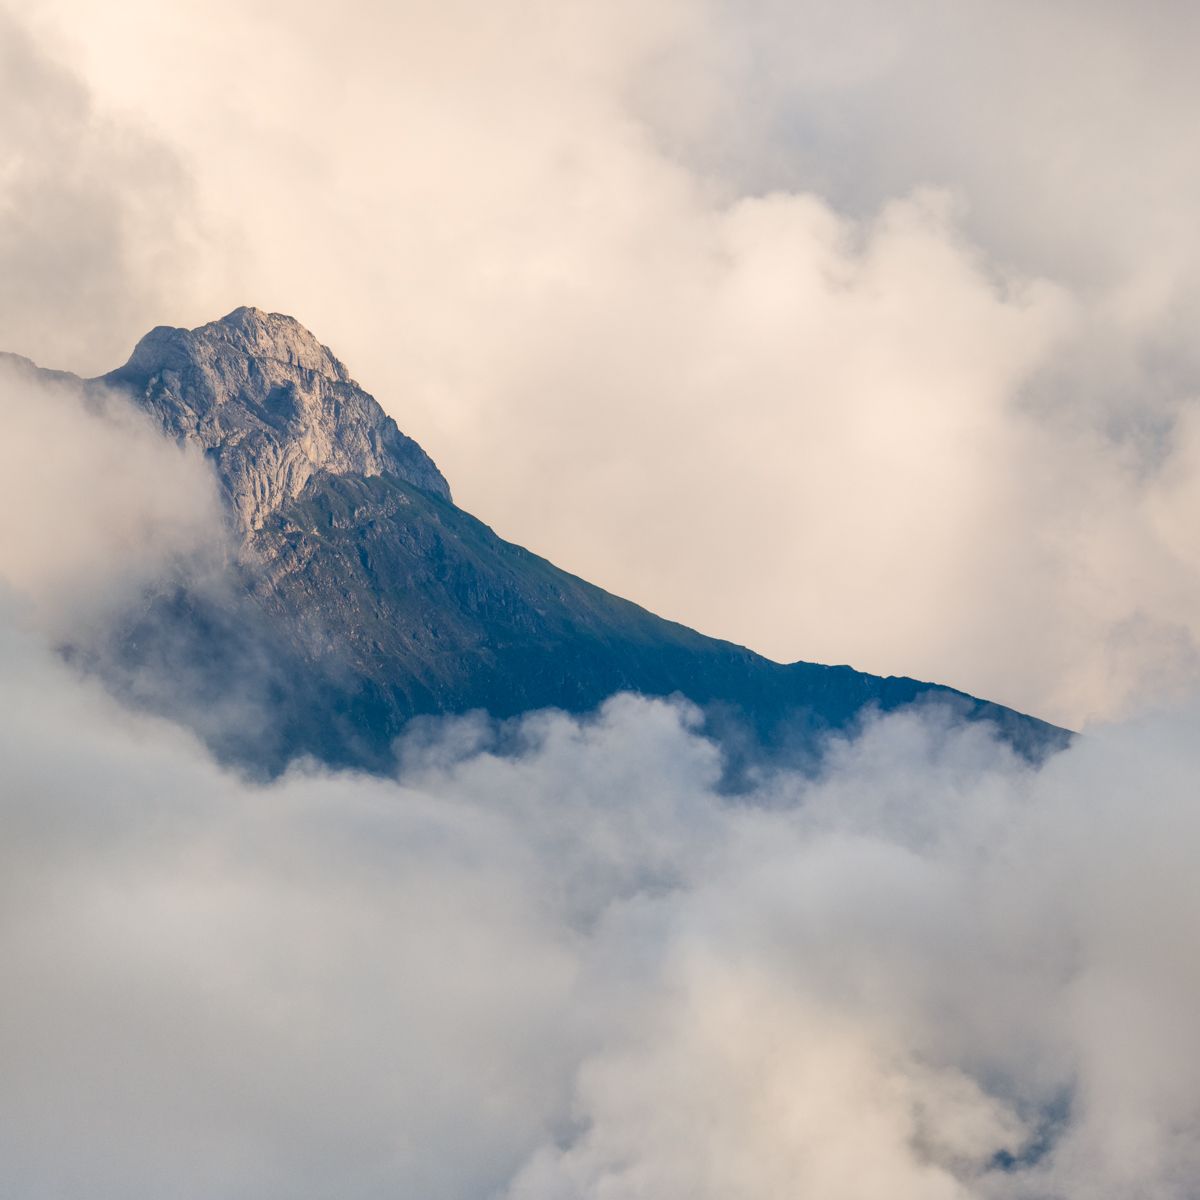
x=554, y=961
x=576, y=970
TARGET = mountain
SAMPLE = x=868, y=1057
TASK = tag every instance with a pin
x=362, y=597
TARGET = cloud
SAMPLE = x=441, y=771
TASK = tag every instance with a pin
x=559, y=963
x=563, y=947
x=95, y=505
x=99, y=234
x=892, y=374
x=786, y=309
x=850, y=360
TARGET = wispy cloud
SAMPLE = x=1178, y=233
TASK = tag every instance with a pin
x=95, y=504
x=98, y=221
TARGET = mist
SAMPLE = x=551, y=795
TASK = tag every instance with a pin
x=575, y=968
x=96, y=507
x=556, y=958
x=854, y=336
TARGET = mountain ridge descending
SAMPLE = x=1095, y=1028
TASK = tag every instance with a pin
x=363, y=597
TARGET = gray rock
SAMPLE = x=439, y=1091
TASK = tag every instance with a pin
x=270, y=406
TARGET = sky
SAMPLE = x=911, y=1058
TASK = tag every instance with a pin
x=760, y=314
x=853, y=333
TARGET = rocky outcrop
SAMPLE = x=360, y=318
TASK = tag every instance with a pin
x=270, y=406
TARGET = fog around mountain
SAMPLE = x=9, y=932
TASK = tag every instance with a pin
x=558, y=959
x=859, y=334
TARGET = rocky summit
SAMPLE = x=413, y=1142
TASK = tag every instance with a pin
x=271, y=407
x=361, y=597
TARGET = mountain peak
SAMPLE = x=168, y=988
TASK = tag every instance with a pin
x=363, y=598
x=270, y=406
x=246, y=333
x=276, y=336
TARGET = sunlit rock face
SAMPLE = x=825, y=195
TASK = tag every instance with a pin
x=357, y=596
x=271, y=407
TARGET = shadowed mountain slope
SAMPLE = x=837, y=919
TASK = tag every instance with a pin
x=363, y=597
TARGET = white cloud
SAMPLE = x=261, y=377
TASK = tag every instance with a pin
x=576, y=970
x=539, y=973
x=934, y=429
x=95, y=505
x=99, y=233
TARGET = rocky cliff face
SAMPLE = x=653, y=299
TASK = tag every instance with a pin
x=271, y=407
x=363, y=597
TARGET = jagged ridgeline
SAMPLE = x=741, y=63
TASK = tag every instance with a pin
x=361, y=596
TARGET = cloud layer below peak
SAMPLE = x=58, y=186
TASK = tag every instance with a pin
x=554, y=961
x=542, y=973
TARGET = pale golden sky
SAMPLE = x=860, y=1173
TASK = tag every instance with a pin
x=862, y=336
x=856, y=332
